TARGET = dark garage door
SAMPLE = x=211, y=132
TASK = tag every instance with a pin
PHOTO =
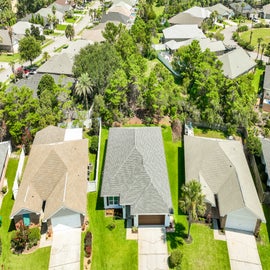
x=151, y=220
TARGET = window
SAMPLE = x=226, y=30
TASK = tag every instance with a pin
x=112, y=200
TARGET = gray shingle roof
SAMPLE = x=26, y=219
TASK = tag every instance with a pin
x=221, y=10
x=185, y=18
x=33, y=80
x=57, y=173
x=266, y=82
x=183, y=32
x=60, y=64
x=266, y=9
x=50, y=134
x=236, y=62
x=135, y=169
x=223, y=166
x=115, y=17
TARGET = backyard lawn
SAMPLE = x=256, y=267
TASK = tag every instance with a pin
x=36, y=260
x=257, y=33
x=209, y=133
x=110, y=250
x=204, y=252
x=264, y=244
x=258, y=78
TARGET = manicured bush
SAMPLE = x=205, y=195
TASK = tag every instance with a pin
x=111, y=226
x=242, y=28
x=249, y=47
x=94, y=144
x=34, y=235
x=88, y=244
x=175, y=259
x=19, y=240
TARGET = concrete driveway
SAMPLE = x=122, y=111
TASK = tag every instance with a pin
x=66, y=250
x=243, y=251
x=153, y=253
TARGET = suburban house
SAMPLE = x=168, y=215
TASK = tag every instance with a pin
x=20, y=27
x=236, y=63
x=222, y=11
x=221, y=168
x=135, y=177
x=53, y=189
x=266, y=89
x=116, y=16
x=243, y=8
x=266, y=11
x=129, y=2
x=182, y=32
x=194, y=15
x=46, y=12
x=213, y=45
x=5, y=151
x=265, y=157
x=95, y=34
x=59, y=64
x=62, y=5
x=33, y=81
x=5, y=44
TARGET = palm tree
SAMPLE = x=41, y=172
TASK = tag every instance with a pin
x=250, y=37
x=192, y=202
x=260, y=39
x=46, y=56
x=263, y=48
x=70, y=32
x=84, y=87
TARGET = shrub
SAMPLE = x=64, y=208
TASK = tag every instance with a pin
x=34, y=235
x=19, y=240
x=175, y=259
x=242, y=28
x=111, y=226
x=235, y=36
x=88, y=244
x=219, y=36
x=47, y=31
x=4, y=189
x=94, y=144
x=250, y=47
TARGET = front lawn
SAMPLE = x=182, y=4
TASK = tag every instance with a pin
x=61, y=27
x=257, y=33
x=204, y=252
x=8, y=57
x=110, y=250
x=36, y=260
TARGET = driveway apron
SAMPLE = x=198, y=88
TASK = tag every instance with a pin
x=153, y=253
x=66, y=249
x=243, y=251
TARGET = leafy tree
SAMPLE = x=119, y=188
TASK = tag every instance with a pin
x=99, y=61
x=70, y=32
x=84, y=87
x=46, y=83
x=254, y=145
x=111, y=32
x=192, y=202
x=29, y=48
x=20, y=112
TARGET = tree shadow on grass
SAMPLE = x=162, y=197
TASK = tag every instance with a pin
x=176, y=238
x=100, y=202
x=266, y=209
x=12, y=226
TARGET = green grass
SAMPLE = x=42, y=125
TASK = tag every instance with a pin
x=210, y=133
x=71, y=20
x=257, y=33
x=204, y=252
x=264, y=244
x=5, y=57
x=110, y=250
x=47, y=43
x=59, y=49
x=61, y=27
x=36, y=260
x=258, y=78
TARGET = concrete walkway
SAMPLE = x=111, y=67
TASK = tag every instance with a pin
x=153, y=253
x=243, y=251
x=66, y=250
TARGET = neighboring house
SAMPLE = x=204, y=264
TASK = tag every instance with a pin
x=223, y=12
x=182, y=32
x=5, y=44
x=33, y=81
x=213, y=45
x=20, y=27
x=59, y=64
x=243, y=8
x=221, y=168
x=185, y=18
x=129, y=2
x=266, y=11
x=54, y=182
x=194, y=15
x=46, y=12
x=236, y=63
x=135, y=177
x=115, y=16
x=61, y=5
x=5, y=151
x=266, y=89
x=265, y=157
